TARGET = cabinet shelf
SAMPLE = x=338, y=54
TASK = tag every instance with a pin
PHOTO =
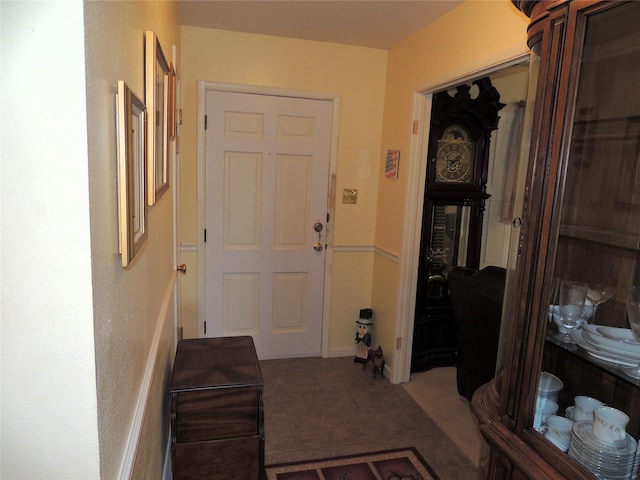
x=614, y=121
x=585, y=375
x=608, y=367
x=597, y=236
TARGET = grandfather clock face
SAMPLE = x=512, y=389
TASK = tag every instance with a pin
x=454, y=156
x=460, y=138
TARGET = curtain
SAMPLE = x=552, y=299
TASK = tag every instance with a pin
x=511, y=164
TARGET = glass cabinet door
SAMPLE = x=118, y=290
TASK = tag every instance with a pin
x=589, y=350
x=514, y=240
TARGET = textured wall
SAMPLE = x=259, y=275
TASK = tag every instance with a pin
x=478, y=34
x=128, y=303
x=49, y=427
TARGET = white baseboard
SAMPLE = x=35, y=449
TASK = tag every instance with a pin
x=342, y=352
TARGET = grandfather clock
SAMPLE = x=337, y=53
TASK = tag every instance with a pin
x=455, y=194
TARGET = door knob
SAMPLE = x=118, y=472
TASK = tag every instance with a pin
x=318, y=227
x=182, y=268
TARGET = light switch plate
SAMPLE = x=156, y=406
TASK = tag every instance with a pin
x=350, y=195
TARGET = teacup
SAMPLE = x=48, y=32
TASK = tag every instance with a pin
x=544, y=409
x=584, y=406
x=559, y=429
x=549, y=386
x=609, y=424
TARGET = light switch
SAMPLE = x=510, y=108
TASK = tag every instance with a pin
x=350, y=195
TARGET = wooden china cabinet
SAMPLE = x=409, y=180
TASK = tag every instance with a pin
x=580, y=221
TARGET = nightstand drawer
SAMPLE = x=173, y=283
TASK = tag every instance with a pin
x=220, y=460
x=215, y=414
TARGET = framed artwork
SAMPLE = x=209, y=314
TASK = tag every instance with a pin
x=171, y=103
x=156, y=98
x=132, y=172
x=392, y=163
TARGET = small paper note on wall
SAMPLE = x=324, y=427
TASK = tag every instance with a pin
x=392, y=164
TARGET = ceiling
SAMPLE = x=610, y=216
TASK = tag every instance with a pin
x=367, y=23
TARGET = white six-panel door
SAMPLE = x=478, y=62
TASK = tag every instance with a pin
x=267, y=170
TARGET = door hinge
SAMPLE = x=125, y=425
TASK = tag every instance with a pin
x=205, y=235
x=328, y=217
x=205, y=327
x=179, y=116
x=205, y=122
x=398, y=343
x=415, y=127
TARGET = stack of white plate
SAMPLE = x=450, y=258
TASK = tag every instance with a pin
x=610, y=461
x=611, y=344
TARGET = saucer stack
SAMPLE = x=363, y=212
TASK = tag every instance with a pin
x=611, y=461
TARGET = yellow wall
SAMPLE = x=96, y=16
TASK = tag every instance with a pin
x=133, y=307
x=353, y=272
x=376, y=90
x=473, y=31
x=467, y=39
x=357, y=75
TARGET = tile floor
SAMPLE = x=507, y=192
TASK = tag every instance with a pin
x=317, y=408
x=437, y=394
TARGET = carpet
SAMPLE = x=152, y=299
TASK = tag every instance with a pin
x=402, y=464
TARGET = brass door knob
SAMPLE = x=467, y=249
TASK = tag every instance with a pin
x=182, y=268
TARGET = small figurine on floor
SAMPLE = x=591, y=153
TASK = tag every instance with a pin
x=363, y=336
x=378, y=362
x=377, y=359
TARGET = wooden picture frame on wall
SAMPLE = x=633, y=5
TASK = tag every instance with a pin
x=171, y=108
x=132, y=172
x=156, y=98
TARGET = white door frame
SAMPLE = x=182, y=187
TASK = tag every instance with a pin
x=203, y=88
x=416, y=175
x=175, y=187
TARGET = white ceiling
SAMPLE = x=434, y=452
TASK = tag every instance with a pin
x=368, y=23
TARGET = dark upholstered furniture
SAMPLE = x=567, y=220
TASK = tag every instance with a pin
x=476, y=302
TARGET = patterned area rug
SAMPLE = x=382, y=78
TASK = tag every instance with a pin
x=404, y=464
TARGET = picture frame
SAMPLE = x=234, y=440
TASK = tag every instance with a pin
x=392, y=164
x=131, y=126
x=156, y=99
x=171, y=102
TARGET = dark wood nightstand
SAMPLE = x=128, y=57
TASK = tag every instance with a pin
x=217, y=420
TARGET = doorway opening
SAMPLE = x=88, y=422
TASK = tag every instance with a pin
x=460, y=134
x=510, y=76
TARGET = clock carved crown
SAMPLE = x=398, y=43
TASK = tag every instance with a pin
x=460, y=135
